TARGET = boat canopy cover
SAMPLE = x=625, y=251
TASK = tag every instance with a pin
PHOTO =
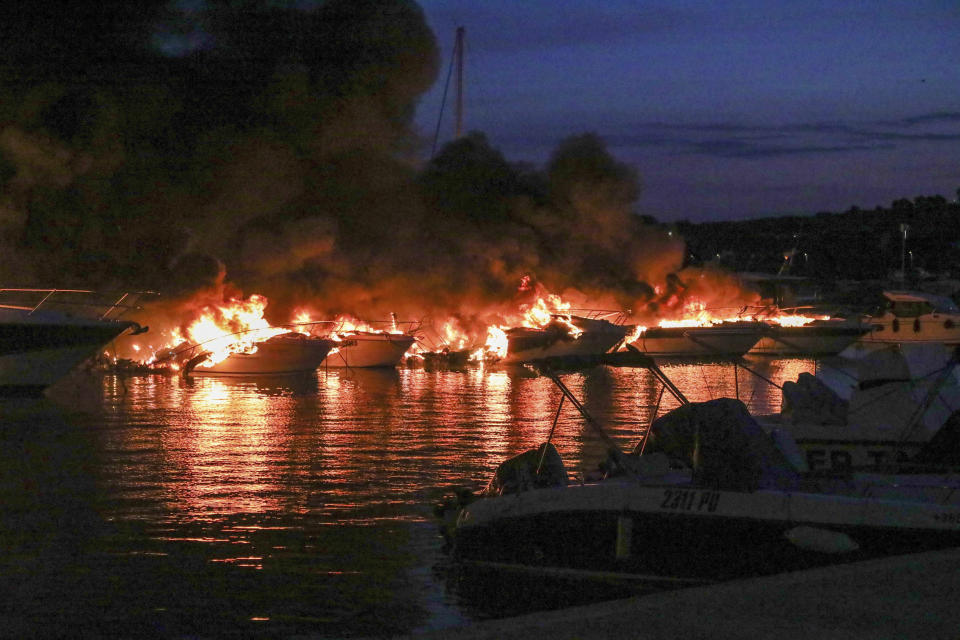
x=519, y=473
x=724, y=446
x=811, y=401
x=939, y=303
x=944, y=447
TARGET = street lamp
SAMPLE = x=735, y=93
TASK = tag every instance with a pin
x=903, y=251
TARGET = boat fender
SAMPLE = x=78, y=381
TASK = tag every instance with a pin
x=916, y=325
x=821, y=540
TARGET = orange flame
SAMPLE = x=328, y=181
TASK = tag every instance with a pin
x=222, y=330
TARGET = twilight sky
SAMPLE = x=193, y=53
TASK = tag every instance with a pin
x=728, y=110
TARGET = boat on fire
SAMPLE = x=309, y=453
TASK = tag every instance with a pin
x=287, y=353
x=46, y=333
x=368, y=349
x=723, y=339
x=564, y=335
x=706, y=495
x=816, y=338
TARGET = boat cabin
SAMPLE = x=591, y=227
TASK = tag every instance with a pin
x=910, y=304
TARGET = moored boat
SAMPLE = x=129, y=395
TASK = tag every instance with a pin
x=563, y=336
x=914, y=317
x=892, y=405
x=286, y=353
x=368, y=349
x=725, y=339
x=46, y=333
x=707, y=495
x=817, y=338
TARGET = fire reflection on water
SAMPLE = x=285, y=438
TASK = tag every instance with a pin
x=224, y=447
x=322, y=483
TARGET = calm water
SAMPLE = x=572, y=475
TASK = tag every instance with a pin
x=171, y=507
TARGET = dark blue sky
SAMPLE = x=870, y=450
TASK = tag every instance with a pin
x=728, y=110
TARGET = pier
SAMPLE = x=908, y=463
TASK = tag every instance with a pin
x=902, y=597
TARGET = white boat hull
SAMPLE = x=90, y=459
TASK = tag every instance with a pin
x=369, y=350
x=273, y=357
x=32, y=372
x=37, y=349
x=697, y=341
x=807, y=340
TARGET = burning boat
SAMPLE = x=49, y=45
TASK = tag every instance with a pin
x=725, y=339
x=368, y=349
x=707, y=495
x=816, y=338
x=563, y=335
x=285, y=353
x=41, y=341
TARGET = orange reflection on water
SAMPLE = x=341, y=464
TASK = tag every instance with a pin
x=222, y=447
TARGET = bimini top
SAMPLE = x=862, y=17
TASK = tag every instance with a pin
x=939, y=303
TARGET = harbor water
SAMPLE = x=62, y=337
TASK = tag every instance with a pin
x=163, y=506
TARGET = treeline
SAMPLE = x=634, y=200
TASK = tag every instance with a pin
x=829, y=247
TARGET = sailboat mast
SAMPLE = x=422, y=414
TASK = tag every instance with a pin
x=458, y=52
x=456, y=60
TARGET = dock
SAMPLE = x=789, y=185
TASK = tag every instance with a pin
x=901, y=597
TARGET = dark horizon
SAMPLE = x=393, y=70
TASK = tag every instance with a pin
x=726, y=112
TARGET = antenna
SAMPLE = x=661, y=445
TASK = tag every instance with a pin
x=458, y=52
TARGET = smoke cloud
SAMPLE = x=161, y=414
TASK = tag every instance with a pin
x=215, y=148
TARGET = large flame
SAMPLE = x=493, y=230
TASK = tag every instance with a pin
x=696, y=314
x=238, y=325
x=222, y=330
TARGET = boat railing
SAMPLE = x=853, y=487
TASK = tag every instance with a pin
x=100, y=305
x=613, y=316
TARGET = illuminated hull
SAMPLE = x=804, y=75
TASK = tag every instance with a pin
x=730, y=339
x=283, y=354
x=369, y=350
x=527, y=345
x=814, y=339
x=914, y=317
x=37, y=349
x=933, y=328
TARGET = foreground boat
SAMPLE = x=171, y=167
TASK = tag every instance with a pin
x=894, y=404
x=286, y=353
x=726, y=339
x=708, y=495
x=42, y=340
x=563, y=336
x=369, y=349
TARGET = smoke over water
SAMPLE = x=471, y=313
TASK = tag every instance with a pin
x=210, y=150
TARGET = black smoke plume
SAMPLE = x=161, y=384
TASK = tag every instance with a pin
x=250, y=147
